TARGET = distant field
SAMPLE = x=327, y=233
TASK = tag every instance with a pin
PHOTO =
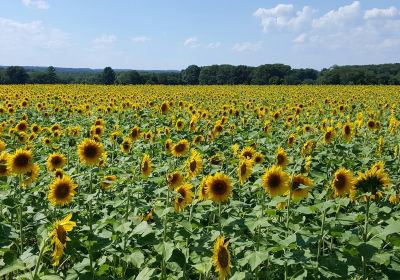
x=199, y=182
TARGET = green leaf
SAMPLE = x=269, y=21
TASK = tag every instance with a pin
x=256, y=258
x=145, y=274
x=136, y=258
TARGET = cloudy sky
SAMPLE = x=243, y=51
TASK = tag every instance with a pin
x=171, y=34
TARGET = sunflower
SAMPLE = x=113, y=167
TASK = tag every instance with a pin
x=97, y=130
x=276, y=181
x=148, y=216
x=181, y=148
x=347, y=131
x=2, y=145
x=46, y=141
x=126, y=145
x=300, y=187
x=62, y=190
x=307, y=148
x=203, y=189
x=168, y=145
x=247, y=153
x=20, y=162
x=259, y=158
x=32, y=175
x=343, y=182
x=372, y=181
x=135, y=133
x=180, y=124
x=108, y=181
x=184, y=198
x=281, y=157
x=4, y=168
x=58, y=173
x=59, y=237
x=292, y=139
x=219, y=187
x=222, y=258
x=146, y=166
x=194, y=164
x=22, y=126
x=164, y=108
x=244, y=170
x=174, y=179
x=307, y=164
x=56, y=161
x=329, y=135
x=90, y=152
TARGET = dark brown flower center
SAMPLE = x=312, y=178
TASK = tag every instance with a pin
x=179, y=147
x=219, y=187
x=340, y=181
x=280, y=159
x=223, y=257
x=347, y=130
x=61, y=234
x=90, y=151
x=193, y=165
x=274, y=180
x=62, y=190
x=21, y=160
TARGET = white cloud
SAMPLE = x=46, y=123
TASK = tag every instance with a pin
x=283, y=16
x=338, y=17
x=140, y=39
x=246, y=46
x=300, y=39
x=191, y=42
x=214, y=45
x=40, y=4
x=105, y=40
x=381, y=13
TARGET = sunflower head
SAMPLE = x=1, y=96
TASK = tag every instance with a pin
x=181, y=148
x=4, y=168
x=219, y=187
x=281, y=157
x=222, y=258
x=372, y=182
x=174, y=179
x=90, y=152
x=329, y=135
x=184, y=197
x=62, y=190
x=276, y=181
x=194, y=164
x=244, y=170
x=343, y=182
x=301, y=185
x=56, y=161
x=59, y=237
x=347, y=131
x=20, y=162
x=126, y=145
x=108, y=181
x=31, y=176
x=146, y=166
x=248, y=153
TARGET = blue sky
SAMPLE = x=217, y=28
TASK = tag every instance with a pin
x=172, y=34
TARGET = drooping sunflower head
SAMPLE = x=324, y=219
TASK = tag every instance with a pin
x=281, y=157
x=343, y=182
x=59, y=237
x=194, y=164
x=307, y=148
x=4, y=168
x=184, y=197
x=222, y=258
x=55, y=161
x=291, y=139
x=329, y=135
x=164, y=107
x=58, y=173
x=203, y=189
x=244, y=170
x=181, y=148
x=62, y=190
x=135, y=133
x=31, y=176
x=301, y=185
x=146, y=166
x=373, y=181
x=219, y=187
x=108, y=181
x=21, y=161
x=90, y=152
x=168, y=145
x=175, y=179
x=276, y=181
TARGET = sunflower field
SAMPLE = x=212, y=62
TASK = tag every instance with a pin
x=199, y=182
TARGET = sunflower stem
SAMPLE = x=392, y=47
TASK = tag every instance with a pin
x=219, y=218
x=20, y=213
x=321, y=240
x=91, y=224
x=36, y=271
x=365, y=237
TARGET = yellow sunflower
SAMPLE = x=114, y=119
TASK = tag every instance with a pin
x=343, y=182
x=202, y=192
x=59, y=237
x=32, y=175
x=348, y=131
x=184, y=197
x=218, y=187
x=175, y=179
x=301, y=185
x=62, y=190
x=90, y=152
x=181, y=148
x=56, y=161
x=20, y=162
x=108, y=181
x=194, y=164
x=281, y=157
x=146, y=166
x=4, y=168
x=329, y=135
x=259, y=158
x=244, y=170
x=222, y=258
x=373, y=181
x=126, y=145
x=248, y=153
x=276, y=181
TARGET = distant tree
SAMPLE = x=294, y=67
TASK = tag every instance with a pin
x=241, y=75
x=131, y=77
x=17, y=75
x=108, y=76
x=39, y=78
x=191, y=74
x=208, y=75
x=51, y=75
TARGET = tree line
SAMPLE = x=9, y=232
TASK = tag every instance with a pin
x=267, y=74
